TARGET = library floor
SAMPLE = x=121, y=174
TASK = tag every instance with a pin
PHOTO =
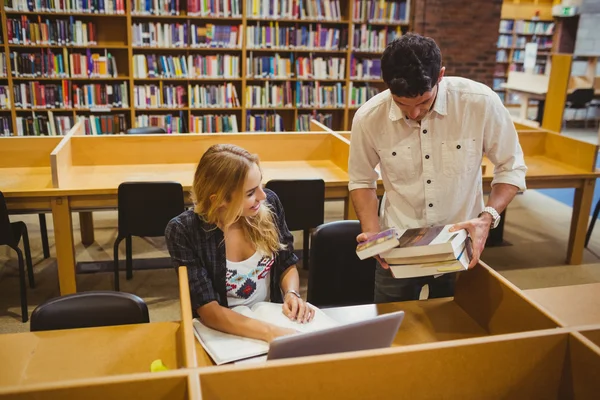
x=533, y=256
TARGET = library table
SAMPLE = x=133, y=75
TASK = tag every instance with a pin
x=553, y=161
x=89, y=170
x=484, y=304
x=572, y=305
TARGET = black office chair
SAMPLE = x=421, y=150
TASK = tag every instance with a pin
x=147, y=130
x=10, y=235
x=304, y=203
x=337, y=277
x=89, y=309
x=580, y=99
x=144, y=209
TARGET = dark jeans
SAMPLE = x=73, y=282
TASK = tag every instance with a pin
x=389, y=289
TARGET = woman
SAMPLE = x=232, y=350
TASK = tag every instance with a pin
x=236, y=246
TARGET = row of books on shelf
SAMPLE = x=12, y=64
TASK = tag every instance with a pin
x=303, y=121
x=100, y=97
x=374, y=39
x=213, y=96
x=4, y=97
x=204, y=8
x=328, y=10
x=186, y=67
x=58, y=32
x=151, y=96
x=313, y=94
x=67, y=6
x=5, y=125
x=504, y=41
x=3, y=63
x=182, y=35
x=359, y=95
x=394, y=11
x=306, y=94
x=304, y=67
x=509, y=26
x=266, y=122
x=67, y=95
x=380, y=11
x=57, y=64
x=272, y=36
x=365, y=68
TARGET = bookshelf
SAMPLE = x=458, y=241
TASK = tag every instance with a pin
x=522, y=22
x=126, y=64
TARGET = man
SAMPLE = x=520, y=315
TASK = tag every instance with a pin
x=428, y=133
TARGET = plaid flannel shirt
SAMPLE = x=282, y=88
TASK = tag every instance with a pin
x=200, y=247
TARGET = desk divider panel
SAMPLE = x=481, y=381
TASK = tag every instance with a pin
x=316, y=126
x=181, y=149
x=497, y=305
x=591, y=332
x=169, y=385
x=532, y=142
x=340, y=151
x=187, y=339
x=36, y=357
x=571, y=151
x=61, y=158
x=27, y=151
x=543, y=364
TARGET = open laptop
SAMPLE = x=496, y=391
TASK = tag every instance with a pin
x=373, y=333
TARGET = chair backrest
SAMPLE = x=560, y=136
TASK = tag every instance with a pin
x=89, y=309
x=303, y=201
x=6, y=233
x=145, y=208
x=580, y=98
x=147, y=130
x=336, y=276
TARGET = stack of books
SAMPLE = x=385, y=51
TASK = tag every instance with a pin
x=419, y=251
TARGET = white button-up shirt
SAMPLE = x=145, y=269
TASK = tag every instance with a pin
x=431, y=171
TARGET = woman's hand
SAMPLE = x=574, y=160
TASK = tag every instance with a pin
x=296, y=309
x=277, y=331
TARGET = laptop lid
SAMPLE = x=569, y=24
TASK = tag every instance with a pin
x=373, y=333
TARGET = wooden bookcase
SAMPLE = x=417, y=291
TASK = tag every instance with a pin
x=114, y=33
x=516, y=15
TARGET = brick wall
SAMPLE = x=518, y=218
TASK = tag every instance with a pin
x=465, y=30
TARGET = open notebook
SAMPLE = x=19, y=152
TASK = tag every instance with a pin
x=225, y=348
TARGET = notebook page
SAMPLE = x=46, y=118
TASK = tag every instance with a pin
x=224, y=348
x=273, y=313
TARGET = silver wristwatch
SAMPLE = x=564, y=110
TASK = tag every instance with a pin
x=495, y=216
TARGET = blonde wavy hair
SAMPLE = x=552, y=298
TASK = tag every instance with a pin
x=219, y=178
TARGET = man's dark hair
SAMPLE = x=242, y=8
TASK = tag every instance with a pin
x=410, y=65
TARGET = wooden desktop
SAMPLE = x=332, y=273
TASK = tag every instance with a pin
x=82, y=173
x=490, y=341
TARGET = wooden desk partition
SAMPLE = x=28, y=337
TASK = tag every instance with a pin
x=550, y=364
x=51, y=356
x=170, y=385
x=572, y=305
x=25, y=164
x=484, y=304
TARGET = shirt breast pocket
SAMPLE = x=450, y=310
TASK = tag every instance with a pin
x=398, y=163
x=460, y=156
